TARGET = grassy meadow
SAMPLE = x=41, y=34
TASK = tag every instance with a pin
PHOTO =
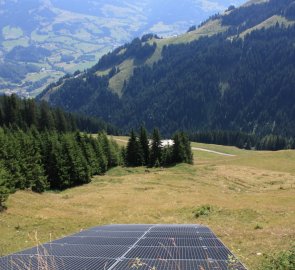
x=251, y=198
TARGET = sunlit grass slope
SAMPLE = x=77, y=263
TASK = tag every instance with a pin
x=251, y=194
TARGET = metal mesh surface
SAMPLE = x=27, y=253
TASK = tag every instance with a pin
x=26, y=262
x=66, y=250
x=100, y=241
x=112, y=234
x=180, y=235
x=179, y=253
x=176, y=265
x=123, y=247
x=180, y=242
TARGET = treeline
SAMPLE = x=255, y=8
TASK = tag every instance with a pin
x=248, y=16
x=41, y=147
x=209, y=84
x=244, y=140
x=138, y=48
x=25, y=114
x=51, y=160
x=141, y=151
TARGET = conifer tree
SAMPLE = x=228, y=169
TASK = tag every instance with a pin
x=156, y=148
x=182, y=149
x=178, y=154
x=167, y=156
x=11, y=154
x=88, y=152
x=134, y=155
x=187, y=148
x=60, y=120
x=100, y=155
x=51, y=156
x=31, y=163
x=76, y=164
x=30, y=113
x=46, y=121
x=144, y=143
x=124, y=155
x=4, y=191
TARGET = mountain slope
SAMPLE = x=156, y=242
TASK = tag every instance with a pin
x=71, y=35
x=235, y=72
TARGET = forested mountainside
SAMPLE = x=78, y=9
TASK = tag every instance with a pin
x=25, y=114
x=234, y=72
x=42, y=40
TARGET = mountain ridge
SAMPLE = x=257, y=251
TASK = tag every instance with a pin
x=197, y=81
x=77, y=33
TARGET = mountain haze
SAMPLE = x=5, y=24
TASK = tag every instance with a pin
x=235, y=72
x=42, y=40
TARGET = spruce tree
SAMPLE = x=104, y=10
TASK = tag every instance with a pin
x=4, y=183
x=30, y=113
x=187, y=148
x=88, y=152
x=100, y=155
x=60, y=120
x=52, y=159
x=46, y=121
x=134, y=155
x=178, y=152
x=182, y=151
x=75, y=163
x=31, y=162
x=167, y=156
x=156, y=149
x=124, y=155
x=144, y=143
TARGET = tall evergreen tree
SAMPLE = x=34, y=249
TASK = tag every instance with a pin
x=182, y=151
x=156, y=149
x=100, y=155
x=75, y=162
x=108, y=149
x=187, y=148
x=61, y=122
x=178, y=154
x=144, y=143
x=46, y=121
x=4, y=183
x=30, y=113
x=134, y=155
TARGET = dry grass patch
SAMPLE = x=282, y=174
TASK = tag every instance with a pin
x=251, y=213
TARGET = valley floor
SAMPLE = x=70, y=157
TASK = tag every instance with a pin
x=252, y=195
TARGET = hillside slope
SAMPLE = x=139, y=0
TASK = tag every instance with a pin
x=240, y=191
x=234, y=72
x=56, y=37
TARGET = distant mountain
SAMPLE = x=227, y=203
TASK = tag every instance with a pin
x=42, y=40
x=235, y=72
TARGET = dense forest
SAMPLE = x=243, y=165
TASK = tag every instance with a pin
x=25, y=114
x=244, y=140
x=248, y=16
x=141, y=151
x=51, y=160
x=223, y=82
x=41, y=147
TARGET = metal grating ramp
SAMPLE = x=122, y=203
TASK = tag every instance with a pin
x=123, y=247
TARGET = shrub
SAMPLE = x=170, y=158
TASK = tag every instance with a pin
x=285, y=260
x=203, y=210
x=258, y=227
